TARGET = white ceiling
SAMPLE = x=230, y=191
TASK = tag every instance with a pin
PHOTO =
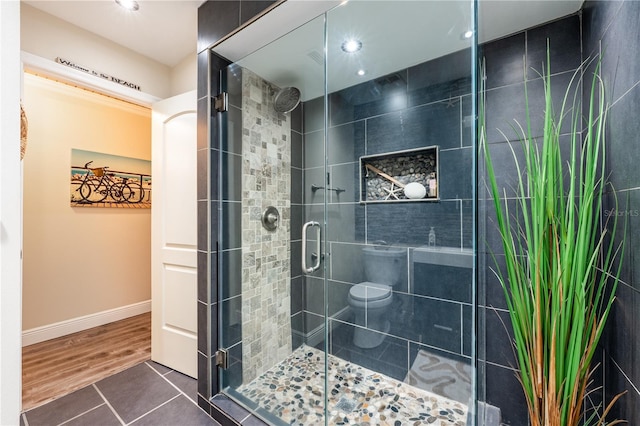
x=163, y=30
x=498, y=18
x=395, y=35
x=166, y=30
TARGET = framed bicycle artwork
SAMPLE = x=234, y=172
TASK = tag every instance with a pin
x=105, y=180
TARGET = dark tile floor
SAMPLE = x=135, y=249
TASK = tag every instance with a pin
x=146, y=394
x=224, y=409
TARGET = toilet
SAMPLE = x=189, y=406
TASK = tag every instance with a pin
x=384, y=268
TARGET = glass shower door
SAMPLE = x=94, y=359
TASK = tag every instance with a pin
x=346, y=256
x=399, y=234
x=270, y=258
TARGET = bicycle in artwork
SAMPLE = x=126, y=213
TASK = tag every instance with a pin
x=98, y=185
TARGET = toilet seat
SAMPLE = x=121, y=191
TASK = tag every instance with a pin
x=370, y=303
x=369, y=292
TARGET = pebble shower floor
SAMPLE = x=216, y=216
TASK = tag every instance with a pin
x=292, y=391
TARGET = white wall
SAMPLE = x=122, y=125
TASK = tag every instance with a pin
x=49, y=37
x=79, y=261
x=50, y=291
x=184, y=76
x=10, y=218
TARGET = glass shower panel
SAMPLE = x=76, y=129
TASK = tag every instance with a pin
x=352, y=301
x=272, y=310
x=399, y=230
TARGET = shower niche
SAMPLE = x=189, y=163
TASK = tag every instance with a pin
x=400, y=176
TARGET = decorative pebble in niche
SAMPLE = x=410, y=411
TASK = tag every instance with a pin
x=416, y=167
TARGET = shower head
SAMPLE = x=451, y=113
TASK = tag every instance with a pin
x=286, y=99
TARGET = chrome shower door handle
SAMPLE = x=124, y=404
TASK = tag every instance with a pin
x=309, y=269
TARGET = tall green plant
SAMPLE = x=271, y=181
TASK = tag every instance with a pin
x=558, y=261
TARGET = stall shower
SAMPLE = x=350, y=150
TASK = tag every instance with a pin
x=346, y=248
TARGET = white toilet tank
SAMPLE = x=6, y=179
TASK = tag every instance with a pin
x=384, y=264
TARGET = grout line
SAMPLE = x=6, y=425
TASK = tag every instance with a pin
x=423, y=344
x=420, y=296
x=366, y=213
x=409, y=357
x=625, y=93
x=24, y=419
x=109, y=405
x=603, y=374
x=613, y=18
x=527, y=66
x=625, y=376
x=330, y=263
x=629, y=189
x=176, y=387
x=500, y=365
x=462, y=329
x=461, y=117
x=155, y=408
x=80, y=415
x=461, y=207
x=410, y=278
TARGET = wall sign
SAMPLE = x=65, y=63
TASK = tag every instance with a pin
x=97, y=73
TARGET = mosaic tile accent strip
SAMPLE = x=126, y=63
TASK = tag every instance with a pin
x=266, y=181
x=293, y=391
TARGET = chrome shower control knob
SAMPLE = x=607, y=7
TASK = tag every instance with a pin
x=270, y=218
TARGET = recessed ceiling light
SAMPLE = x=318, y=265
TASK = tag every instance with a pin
x=467, y=34
x=129, y=4
x=361, y=72
x=351, y=45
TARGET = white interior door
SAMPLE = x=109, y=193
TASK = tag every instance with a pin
x=173, y=234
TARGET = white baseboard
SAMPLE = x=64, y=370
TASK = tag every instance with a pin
x=73, y=325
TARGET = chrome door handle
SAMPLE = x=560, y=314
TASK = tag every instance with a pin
x=305, y=268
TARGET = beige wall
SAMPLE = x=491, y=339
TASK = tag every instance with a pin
x=184, y=76
x=79, y=261
x=49, y=37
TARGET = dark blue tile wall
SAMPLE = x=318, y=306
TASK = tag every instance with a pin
x=563, y=39
x=504, y=61
x=216, y=19
x=507, y=62
x=412, y=108
x=615, y=22
x=457, y=281
x=507, y=107
x=425, y=125
x=612, y=29
x=503, y=390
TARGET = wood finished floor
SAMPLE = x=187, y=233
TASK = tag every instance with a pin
x=60, y=366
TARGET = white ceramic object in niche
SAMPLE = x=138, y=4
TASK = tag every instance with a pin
x=415, y=190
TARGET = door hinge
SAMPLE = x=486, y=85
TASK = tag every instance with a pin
x=221, y=102
x=222, y=359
